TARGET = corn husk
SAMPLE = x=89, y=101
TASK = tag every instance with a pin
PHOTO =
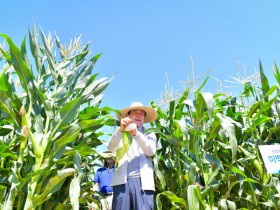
x=126, y=140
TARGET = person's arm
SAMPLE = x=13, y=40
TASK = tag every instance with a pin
x=147, y=143
x=95, y=180
x=115, y=141
x=95, y=186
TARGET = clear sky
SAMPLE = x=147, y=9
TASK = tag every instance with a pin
x=142, y=41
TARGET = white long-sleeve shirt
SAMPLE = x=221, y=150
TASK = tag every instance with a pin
x=145, y=147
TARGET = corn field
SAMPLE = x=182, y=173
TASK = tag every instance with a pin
x=208, y=156
x=51, y=125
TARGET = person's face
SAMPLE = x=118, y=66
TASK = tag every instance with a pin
x=110, y=160
x=137, y=116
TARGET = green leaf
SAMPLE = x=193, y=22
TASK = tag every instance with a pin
x=265, y=107
x=158, y=172
x=214, y=130
x=193, y=200
x=276, y=74
x=261, y=121
x=174, y=198
x=53, y=185
x=67, y=113
x=69, y=136
x=35, y=49
x=171, y=112
x=5, y=85
x=254, y=108
x=96, y=87
x=209, y=101
x=200, y=108
x=264, y=81
x=6, y=107
x=228, y=124
x=74, y=192
x=203, y=84
x=15, y=59
x=5, y=129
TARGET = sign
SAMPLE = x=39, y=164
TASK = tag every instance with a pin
x=271, y=157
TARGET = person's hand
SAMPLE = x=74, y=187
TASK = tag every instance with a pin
x=127, y=124
x=124, y=122
x=132, y=128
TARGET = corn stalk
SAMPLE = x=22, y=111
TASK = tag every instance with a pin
x=46, y=131
x=208, y=154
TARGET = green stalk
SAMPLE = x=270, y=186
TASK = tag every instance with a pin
x=23, y=143
x=45, y=140
x=19, y=200
x=179, y=173
x=38, y=157
x=25, y=130
x=32, y=185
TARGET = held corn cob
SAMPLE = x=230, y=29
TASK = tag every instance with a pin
x=126, y=140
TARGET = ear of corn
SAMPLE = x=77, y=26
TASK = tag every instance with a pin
x=126, y=142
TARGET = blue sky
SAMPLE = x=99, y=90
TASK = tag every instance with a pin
x=142, y=41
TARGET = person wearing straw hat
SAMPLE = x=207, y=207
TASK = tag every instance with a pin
x=133, y=178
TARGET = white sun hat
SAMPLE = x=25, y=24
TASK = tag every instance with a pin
x=151, y=114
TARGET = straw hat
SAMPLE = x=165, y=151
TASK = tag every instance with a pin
x=151, y=114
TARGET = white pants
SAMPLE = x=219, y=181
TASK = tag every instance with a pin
x=106, y=202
